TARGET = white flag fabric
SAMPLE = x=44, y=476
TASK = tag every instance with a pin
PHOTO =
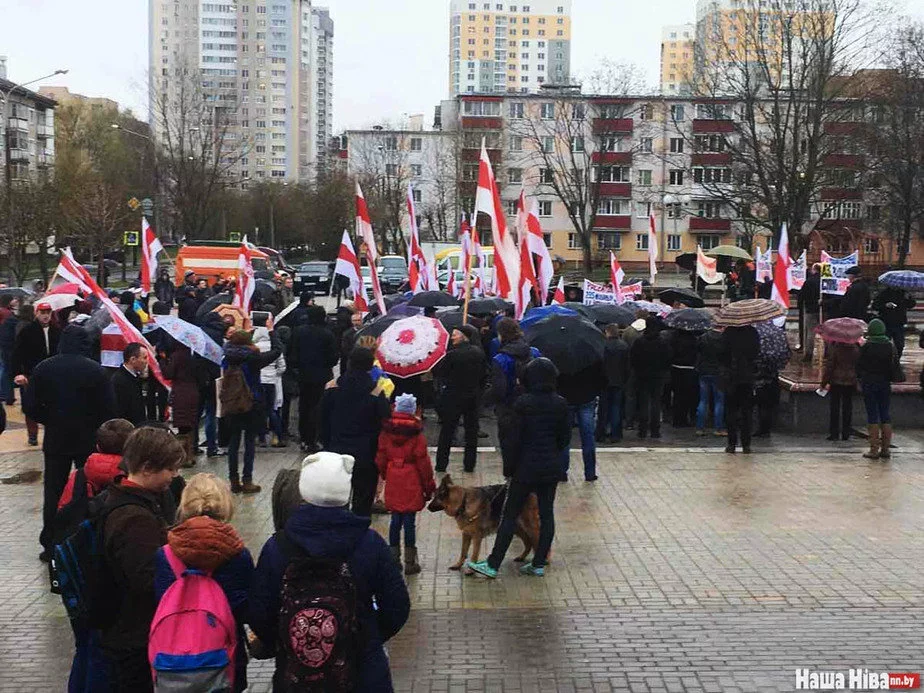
x=364, y=231
x=781, y=285
x=652, y=249
x=706, y=267
x=487, y=201
x=348, y=266
x=150, y=247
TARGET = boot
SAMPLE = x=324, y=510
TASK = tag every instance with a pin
x=187, y=442
x=411, y=566
x=873, y=454
x=885, y=452
x=396, y=553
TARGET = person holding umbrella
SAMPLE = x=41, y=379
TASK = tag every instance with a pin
x=839, y=375
x=740, y=349
x=892, y=304
x=650, y=357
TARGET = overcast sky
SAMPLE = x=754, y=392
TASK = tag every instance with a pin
x=390, y=56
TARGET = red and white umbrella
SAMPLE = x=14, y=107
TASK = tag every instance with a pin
x=412, y=346
x=59, y=301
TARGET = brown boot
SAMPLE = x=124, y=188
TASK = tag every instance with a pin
x=187, y=442
x=873, y=431
x=885, y=452
x=396, y=553
x=236, y=486
x=411, y=566
x=250, y=487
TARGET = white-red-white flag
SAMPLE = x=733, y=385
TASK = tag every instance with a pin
x=416, y=262
x=707, y=267
x=652, y=249
x=781, y=278
x=246, y=282
x=150, y=247
x=364, y=231
x=481, y=281
x=559, y=295
x=527, y=280
x=487, y=201
x=616, y=272
x=348, y=266
x=451, y=287
x=543, y=259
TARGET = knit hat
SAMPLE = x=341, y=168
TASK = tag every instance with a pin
x=876, y=332
x=326, y=479
x=406, y=404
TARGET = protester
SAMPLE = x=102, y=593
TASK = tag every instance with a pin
x=36, y=341
x=7, y=341
x=240, y=354
x=127, y=384
x=543, y=431
x=71, y=395
x=323, y=528
x=612, y=397
x=650, y=357
x=875, y=368
x=204, y=540
x=271, y=382
x=289, y=385
x=461, y=375
x=215, y=327
x=164, y=289
x=708, y=364
x=580, y=391
x=104, y=465
x=774, y=355
x=630, y=335
x=348, y=337
x=839, y=378
x=134, y=529
x=286, y=293
x=855, y=302
x=352, y=411
x=892, y=304
x=404, y=464
x=684, y=381
x=808, y=302
x=182, y=370
x=188, y=304
x=313, y=353
x=740, y=349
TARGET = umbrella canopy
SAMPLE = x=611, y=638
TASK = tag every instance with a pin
x=661, y=309
x=903, y=279
x=609, y=314
x=379, y=325
x=774, y=347
x=570, y=341
x=690, y=320
x=263, y=291
x=65, y=288
x=412, y=346
x=687, y=297
x=843, y=330
x=285, y=312
x=59, y=301
x=405, y=311
x=534, y=315
x=579, y=308
x=749, y=312
x=433, y=299
x=190, y=335
x=686, y=261
x=241, y=319
x=16, y=291
x=224, y=298
x=451, y=319
x=729, y=251
x=483, y=306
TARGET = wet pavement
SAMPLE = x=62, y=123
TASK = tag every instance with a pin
x=681, y=569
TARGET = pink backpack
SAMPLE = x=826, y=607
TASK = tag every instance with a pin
x=193, y=636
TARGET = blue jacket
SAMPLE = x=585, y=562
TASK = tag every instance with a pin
x=337, y=533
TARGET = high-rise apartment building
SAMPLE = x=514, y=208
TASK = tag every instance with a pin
x=257, y=64
x=677, y=58
x=508, y=46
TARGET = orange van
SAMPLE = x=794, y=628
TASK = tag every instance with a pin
x=212, y=260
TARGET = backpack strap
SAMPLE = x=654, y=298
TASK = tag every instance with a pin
x=178, y=567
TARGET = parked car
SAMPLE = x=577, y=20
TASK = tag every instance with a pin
x=314, y=276
x=392, y=273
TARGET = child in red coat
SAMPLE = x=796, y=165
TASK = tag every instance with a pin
x=102, y=467
x=405, y=465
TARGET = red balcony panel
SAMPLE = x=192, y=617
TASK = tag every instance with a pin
x=843, y=160
x=711, y=159
x=492, y=123
x=470, y=155
x=613, y=125
x=841, y=128
x=709, y=126
x=841, y=194
x=613, y=222
x=704, y=224
x=612, y=158
x=478, y=97
x=855, y=225
x=343, y=154
x=615, y=189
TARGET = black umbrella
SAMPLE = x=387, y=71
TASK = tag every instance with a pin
x=16, y=292
x=608, y=314
x=451, y=319
x=483, y=306
x=580, y=309
x=571, y=342
x=686, y=261
x=433, y=299
x=687, y=297
x=213, y=303
x=379, y=325
x=690, y=320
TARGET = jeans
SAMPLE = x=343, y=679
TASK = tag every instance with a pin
x=406, y=521
x=584, y=415
x=648, y=405
x=89, y=668
x=6, y=383
x=809, y=323
x=452, y=409
x=609, y=412
x=309, y=399
x=517, y=493
x=709, y=388
x=237, y=430
x=272, y=414
x=841, y=397
x=55, y=475
x=739, y=403
x=876, y=398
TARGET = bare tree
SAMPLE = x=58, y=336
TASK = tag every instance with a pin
x=380, y=164
x=611, y=77
x=97, y=219
x=441, y=172
x=29, y=219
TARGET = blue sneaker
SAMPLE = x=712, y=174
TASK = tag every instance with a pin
x=482, y=568
x=530, y=569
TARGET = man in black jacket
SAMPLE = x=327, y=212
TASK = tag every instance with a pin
x=313, y=352
x=72, y=396
x=739, y=352
x=650, y=357
x=616, y=371
x=126, y=385
x=37, y=341
x=809, y=296
x=855, y=303
x=892, y=304
x=461, y=375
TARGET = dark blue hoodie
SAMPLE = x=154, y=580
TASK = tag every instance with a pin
x=337, y=533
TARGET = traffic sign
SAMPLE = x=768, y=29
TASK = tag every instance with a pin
x=133, y=203
x=131, y=238
x=234, y=236
x=147, y=206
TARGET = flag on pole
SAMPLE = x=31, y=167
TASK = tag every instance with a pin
x=559, y=295
x=487, y=201
x=707, y=267
x=652, y=249
x=781, y=282
x=451, y=287
x=243, y=294
x=364, y=231
x=150, y=247
x=480, y=282
x=429, y=271
x=416, y=263
x=540, y=251
x=527, y=281
x=348, y=266
x=616, y=276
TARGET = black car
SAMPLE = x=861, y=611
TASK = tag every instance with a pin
x=392, y=273
x=313, y=276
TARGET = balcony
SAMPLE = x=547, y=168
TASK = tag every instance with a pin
x=17, y=154
x=706, y=224
x=613, y=125
x=615, y=189
x=20, y=124
x=613, y=221
x=843, y=160
x=710, y=159
x=44, y=131
x=840, y=194
x=482, y=123
x=701, y=126
x=622, y=158
x=45, y=159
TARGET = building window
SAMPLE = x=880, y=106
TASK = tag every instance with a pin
x=615, y=143
x=674, y=210
x=512, y=207
x=612, y=206
x=709, y=143
x=612, y=174
x=712, y=175
x=645, y=112
x=547, y=111
x=470, y=172
x=676, y=176
x=674, y=242
x=677, y=113
x=641, y=241
x=516, y=143
x=416, y=170
x=709, y=210
x=418, y=195
x=573, y=243
x=644, y=176
x=577, y=145
x=416, y=144
x=607, y=240
x=391, y=142
x=481, y=108
x=545, y=208
x=546, y=176
x=871, y=245
x=548, y=144
x=645, y=145
x=391, y=170
x=708, y=242
x=676, y=145
x=578, y=110
x=515, y=175
x=516, y=111
x=643, y=210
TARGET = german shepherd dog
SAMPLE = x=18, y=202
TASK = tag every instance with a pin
x=477, y=512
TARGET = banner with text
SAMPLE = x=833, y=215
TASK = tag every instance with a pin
x=834, y=272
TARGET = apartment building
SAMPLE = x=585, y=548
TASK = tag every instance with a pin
x=264, y=67
x=65, y=96
x=508, y=46
x=27, y=130
x=677, y=49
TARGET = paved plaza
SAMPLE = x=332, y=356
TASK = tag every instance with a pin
x=681, y=569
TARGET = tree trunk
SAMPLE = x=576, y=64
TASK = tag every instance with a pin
x=904, y=242
x=588, y=259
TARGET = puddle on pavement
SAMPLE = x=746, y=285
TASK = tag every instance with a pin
x=29, y=476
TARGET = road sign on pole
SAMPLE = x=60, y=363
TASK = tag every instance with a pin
x=131, y=238
x=133, y=203
x=147, y=207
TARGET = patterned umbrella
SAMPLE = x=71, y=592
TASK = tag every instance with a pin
x=661, y=309
x=412, y=346
x=241, y=319
x=843, y=330
x=903, y=279
x=774, y=347
x=379, y=325
x=690, y=320
x=570, y=341
x=749, y=312
x=190, y=335
x=609, y=314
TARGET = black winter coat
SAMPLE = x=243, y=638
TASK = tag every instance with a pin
x=874, y=367
x=164, y=290
x=683, y=348
x=462, y=372
x=709, y=353
x=810, y=293
x=616, y=362
x=351, y=417
x=650, y=357
x=29, y=348
x=129, y=397
x=897, y=316
x=542, y=431
x=740, y=349
x=855, y=303
x=313, y=352
x=582, y=387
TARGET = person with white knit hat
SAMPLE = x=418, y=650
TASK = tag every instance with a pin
x=323, y=527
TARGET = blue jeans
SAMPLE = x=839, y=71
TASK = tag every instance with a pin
x=708, y=387
x=407, y=521
x=610, y=412
x=876, y=397
x=6, y=383
x=89, y=669
x=272, y=414
x=584, y=415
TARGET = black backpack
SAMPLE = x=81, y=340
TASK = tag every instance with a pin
x=319, y=627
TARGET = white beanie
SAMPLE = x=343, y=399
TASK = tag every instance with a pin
x=326, y=479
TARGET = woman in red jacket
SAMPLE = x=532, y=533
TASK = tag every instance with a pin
x=405, y=465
